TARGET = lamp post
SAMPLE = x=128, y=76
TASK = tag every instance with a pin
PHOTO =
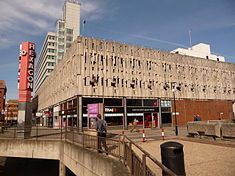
x=176, y=126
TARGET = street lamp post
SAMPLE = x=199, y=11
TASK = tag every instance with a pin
x=176, y=125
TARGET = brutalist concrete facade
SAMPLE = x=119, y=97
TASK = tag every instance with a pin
x=98, y=68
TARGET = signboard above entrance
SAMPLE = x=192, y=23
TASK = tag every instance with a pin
x=142, y=109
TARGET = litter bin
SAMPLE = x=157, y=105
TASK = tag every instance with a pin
x=173, y=157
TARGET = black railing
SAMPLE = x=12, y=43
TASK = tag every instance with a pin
x=140, y=162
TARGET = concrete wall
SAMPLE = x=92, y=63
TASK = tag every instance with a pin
x=95, y=164
x=82, y=162
x=30, y=149
x=100, y=68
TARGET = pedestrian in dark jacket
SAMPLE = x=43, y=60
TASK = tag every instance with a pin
x=101, y=128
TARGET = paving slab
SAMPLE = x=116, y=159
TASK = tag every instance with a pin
x=200, y=159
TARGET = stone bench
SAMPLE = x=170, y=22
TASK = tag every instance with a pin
x=195, y=126
x=228, y=130
x=203, y=128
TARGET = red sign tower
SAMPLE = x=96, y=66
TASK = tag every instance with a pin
x=25, y=82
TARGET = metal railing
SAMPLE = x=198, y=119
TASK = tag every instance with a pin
x=140, y=162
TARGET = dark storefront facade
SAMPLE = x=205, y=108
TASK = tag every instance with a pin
x=117, y=111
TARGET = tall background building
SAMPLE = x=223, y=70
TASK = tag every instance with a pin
x=46, y=61
x=3, y=91
x=56, y=43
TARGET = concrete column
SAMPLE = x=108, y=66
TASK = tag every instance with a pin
x=125, y=114
x=62, y=169
x=160, y=114
x=24, y=119
x=79, y=112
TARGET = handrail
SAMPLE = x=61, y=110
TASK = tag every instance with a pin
x=122, y=151
x=168, y=171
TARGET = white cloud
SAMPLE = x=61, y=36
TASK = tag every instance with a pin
x=92, y=10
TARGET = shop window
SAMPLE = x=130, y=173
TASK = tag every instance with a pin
x=112, y=102
x=150, y=102
x=86, y=101
x=134, y=102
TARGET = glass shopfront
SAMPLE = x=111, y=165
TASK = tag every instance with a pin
x=146, y=111
x=166, y=112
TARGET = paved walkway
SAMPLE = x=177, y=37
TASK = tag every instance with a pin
x=203, y=157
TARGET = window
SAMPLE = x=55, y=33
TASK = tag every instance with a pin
x=61, y=46
x=68, y=45
x=207, y=57
x=51, y=44
x=150, y=102
x=50, y=57
x=49, y=70
x=61, y=32
x=51, y=50
x=60, y=40
x=51, y=37
x=61, y=25
x=86, y=101
x=69, y=38
x=217, y=59
x=69, y=31
x=51, y=64
x=134, y=102
x=60, y=53
x=112, y=102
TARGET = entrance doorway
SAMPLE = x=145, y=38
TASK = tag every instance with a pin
x=150, y=120
x=166, y=120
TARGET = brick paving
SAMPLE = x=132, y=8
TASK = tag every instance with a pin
x=203, y=156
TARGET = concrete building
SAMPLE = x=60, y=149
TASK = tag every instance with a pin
x=11, y=110
x=56, y=43
x=201, y=50
x=3, y=91
x=137, y=82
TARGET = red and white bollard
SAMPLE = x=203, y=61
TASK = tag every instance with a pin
x=163, y=134
x=143, y=138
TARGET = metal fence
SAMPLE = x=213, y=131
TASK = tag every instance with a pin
x=140, y=162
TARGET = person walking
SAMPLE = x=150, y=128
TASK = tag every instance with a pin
x=134, y=125
x=101, y=128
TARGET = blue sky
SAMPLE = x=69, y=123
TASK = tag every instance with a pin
x=160, y=24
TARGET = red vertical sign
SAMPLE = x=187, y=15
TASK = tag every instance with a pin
x=26, y=71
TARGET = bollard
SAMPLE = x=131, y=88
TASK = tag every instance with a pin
x=143, y=138
x=163, y=134
x=123, y=132
x=173, y=157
